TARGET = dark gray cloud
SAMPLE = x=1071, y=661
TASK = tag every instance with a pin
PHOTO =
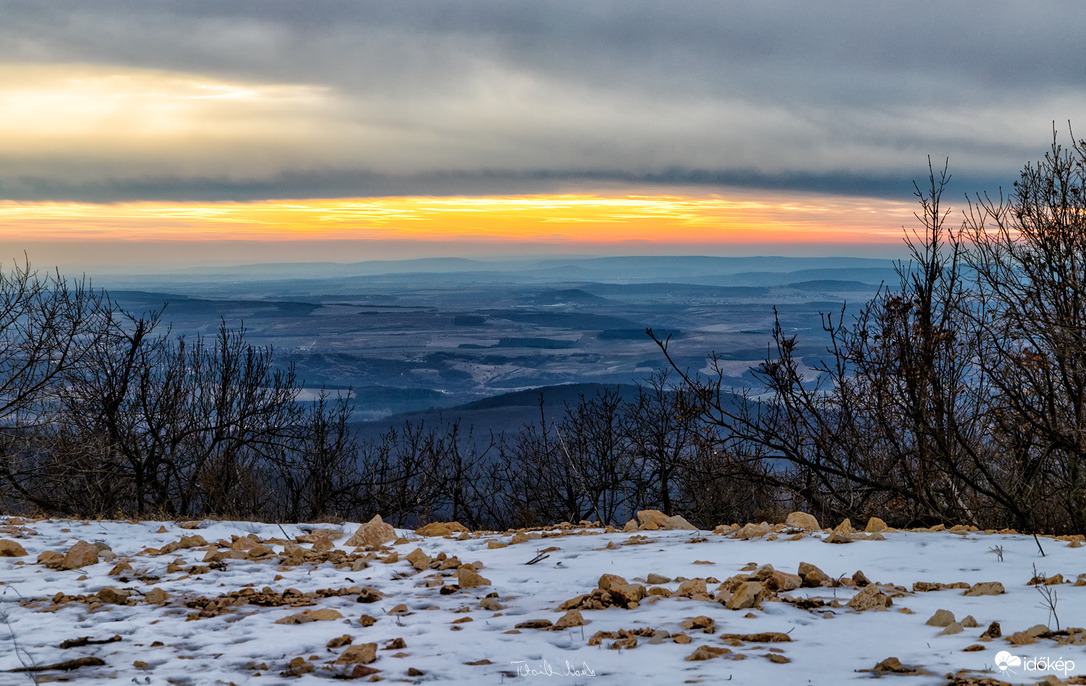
x=345, y=98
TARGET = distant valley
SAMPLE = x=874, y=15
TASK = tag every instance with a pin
x=422, y=336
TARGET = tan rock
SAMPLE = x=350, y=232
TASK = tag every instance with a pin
x=339, y=642
x=194, y=541
x=678, y=522
x=802, y=520
x=628, y=596
x=120, y=568
x=630, y=527
x=952, y=628
x=258, y=551
x=701, y=623
x=442, y=529
x=870, y=598
x=657, y=579
x=80, y=555
x=608, y=580
x=10, y=548
x=569, y=619
x=373, y=533
x=985, y=588
x=51, y=559
x=941, y=618
x=970, y=622
x=323, y=615
x=113, y=596
x=467, y=577
x=657, y=519
x=841, y=534
x=749, y=531
x=359, y=654
x=491, y=604
x=993, y=631
x=875, y=526
x=157, y=596
x=748, y=594
x=812, y=576
x=706, y=653
x=691, y=587
x=418, y=559
x=783, y=581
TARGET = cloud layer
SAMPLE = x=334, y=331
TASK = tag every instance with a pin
x=251, y=100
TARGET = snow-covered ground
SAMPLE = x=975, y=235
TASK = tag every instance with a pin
x=217, y=620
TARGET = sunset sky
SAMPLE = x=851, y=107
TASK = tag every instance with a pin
x=142, y=134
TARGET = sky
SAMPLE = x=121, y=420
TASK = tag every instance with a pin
x=156, y=133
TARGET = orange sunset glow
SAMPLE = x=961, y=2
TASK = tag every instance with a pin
x=613, y=219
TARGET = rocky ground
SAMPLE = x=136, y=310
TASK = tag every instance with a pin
x=655, y=602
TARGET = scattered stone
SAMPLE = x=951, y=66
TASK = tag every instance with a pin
x=156, y=596
x=812, y=576
x=860, y=579
x=993, y=631
x=51, y=559
x=608, y=580
x=706, y=653
x=870, y=598
x=894, y=666
x=749, y=531
x=701, y=623
x=367, y=620
x=974, y=648
x=802, y=520
x=941, y=618
x=340, y=641
x=373, y=533
x=10, y=548
x=985, y=588
x=535, y=624
x=841, y=534
x=369, y=595
x=651, y=520
x=952, y=628
x=86, y=641
x=442, y=529
x=783, y=581
x=418, y=559
x=777, y=658
x=746, y=595
x=79, y=555
x=875, y=526
x=362, y=653
x=491, y=604
x=467, y=577
x=113, y=596
x=66, y=666
x=969, y=622
x=307, y=616
x=763, y=637
x=657, y=579
x=678, y=522
x=570, y=619
x=692, y=587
